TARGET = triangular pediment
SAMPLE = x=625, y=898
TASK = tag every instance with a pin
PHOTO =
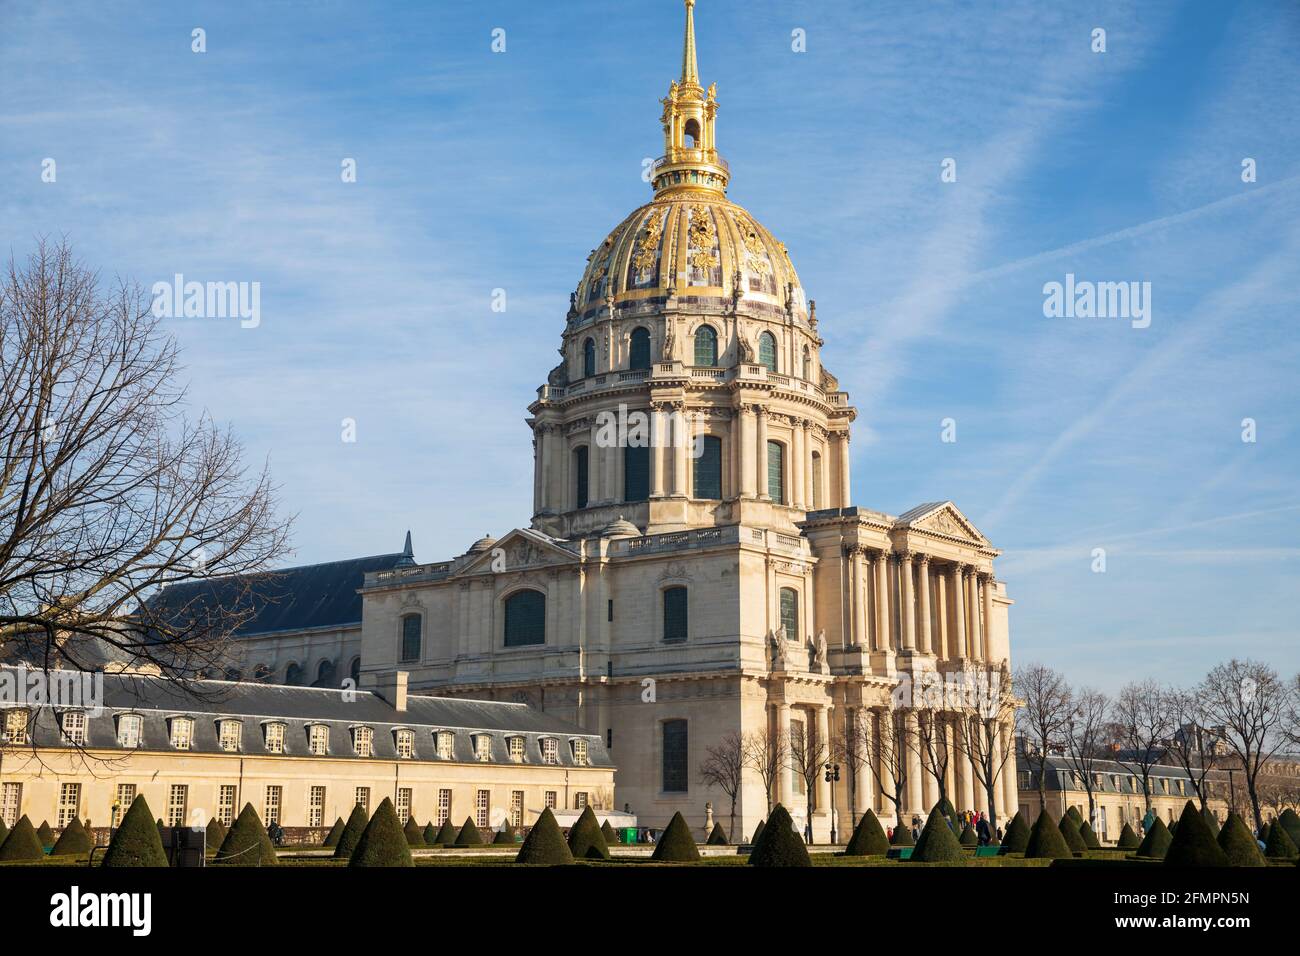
x=521, y=549
x=942, y=517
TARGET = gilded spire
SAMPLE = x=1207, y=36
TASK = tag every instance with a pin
x=690, y=70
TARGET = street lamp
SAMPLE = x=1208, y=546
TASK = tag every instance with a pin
x=833, y=777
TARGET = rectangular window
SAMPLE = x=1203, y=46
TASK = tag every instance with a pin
x=316, y=807
x=708, y=468
x=125, y=797
x=226, y=804
x=790, y=613
x=580, y=459
x=444, y=745
x=516, y=808
x=483, y=748
x=516, y=745
x=403, y=804
x=444, y=807
x=580, y=800
x=275, y=738
x=319, y=739
x=15, y=728
x=128, y=731
x=525, y=622
x=580, y=753
x=675, y=618
x=674, y=756
x=363, y=798
x=550, y=750
x=230, y=734
x=406, y=744
x=636, y=473
x=776, y=472
x=69, y=803
x=11, y=800
x=182, y=733
x=272, y=814
x=411, y=626
x=363, y=741
x=74, y=727
x=177, y=797
x=550, y=799
x=481, y=800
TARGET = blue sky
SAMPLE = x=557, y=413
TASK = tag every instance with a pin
x=479, y=171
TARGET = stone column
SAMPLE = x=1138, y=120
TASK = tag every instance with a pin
x=810, y=492
x=926, y=642
x=965, y=788
x=1010, y=784
x=950, y=776
x=660, y=437
x=941, y=643
x=745, y=439
x=914, y=771
x=537, y=473
x=907, y=615
x=882, y=600
x=929, y=785
x=958, y=589
x=864, y=787
x=796, y=496
x=681, y=449
x=785, y=779
x=973, y=606
x=986, y=593
x=858, y=589
x=884, y=769
x=762, y=455
x=823, y=801
x=846, y=497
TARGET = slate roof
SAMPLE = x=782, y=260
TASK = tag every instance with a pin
x=1060, y=768
x=158, y=699
x=289, y=599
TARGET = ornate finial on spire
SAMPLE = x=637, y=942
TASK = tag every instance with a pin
x=690, y=70
x=408, y=554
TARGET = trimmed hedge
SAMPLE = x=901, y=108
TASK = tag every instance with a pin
x=1070, y=833
x=968, y=836
x=506, y=835
x=430, y=834
x=717, y=836
x=1263, y=834
x=1156, y=843
x=469, y=834
x=1237, y=843
x=1016, y=836
x=4, y=832
x=352, y=830
x=384, y=842
x=758, y=832
x=545, y=845
x=1211, y=821
x=214, y=835
x=73, y=841
x=412, y=832
x=586, y=842
x=1193, y=843
x=136, y=841
x=676, y=844
x=45, y=834
x=1128, y=839
x=902, y=835
x=247, y=843
x=780, y=845
x=1291, y=820
x=937, y=844
x=336, y=832
x=1280, y=845
x=1090, y=841
x=607, y=831
x=868, y=838
x=1046, y=842
x=22, y=845
x=446, y=834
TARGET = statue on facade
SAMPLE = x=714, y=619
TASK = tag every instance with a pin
x=746, y=350
x=819, y=650
x=776, y=641
x=667, y=355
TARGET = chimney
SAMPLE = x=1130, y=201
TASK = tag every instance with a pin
x=391, y=687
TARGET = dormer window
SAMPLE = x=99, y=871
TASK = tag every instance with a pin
x=229, y=734
x=182, y=733
x=405, y=744
x=579, y=748
x=15, y=725
x=550, y=750
x=74, y=727
x=515, y=745
x=363, y=741
x=128, y=731
x=318, y=740
x=445, y=744
x=482, y=747
x=274, y=737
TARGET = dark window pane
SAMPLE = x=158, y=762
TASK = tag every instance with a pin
x=767, y=351
x=674, y=756
x=588, y=358
x=775, y=472
x=639, y=353
x=790, y=613
x=411, y=637
x=706, y=347
x=636, y=473
x=674, y=615
x=525, y=619
x=580, y=476
x=708, y=468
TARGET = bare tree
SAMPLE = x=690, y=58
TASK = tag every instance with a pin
x=724, y=768
x=980, y=721
x=1086, y=734
x=932, y=743
x=1042, y=719
x=1141, y=727
x=1249, y=701
x=851, y=745
x=1195, y=745
x=891, y=745
x=807, y=755
x=108, y=491
x=766, y=753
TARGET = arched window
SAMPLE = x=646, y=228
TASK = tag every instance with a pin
x=525, y=618
x=325, y=673
x=292, y=674
x=767, y=351
x=675, y=615
x=807, y=364
x=790, y=613
x=708, y=468
x=581, y=476
x=776, y=472
x=639, y=349
x=817, y=480
x=636, y=473
x=692, y=131
x=354, y=671
x=706, y=347
x=588, y=358
x=412, y=626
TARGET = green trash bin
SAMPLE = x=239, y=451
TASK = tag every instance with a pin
x=627, y=835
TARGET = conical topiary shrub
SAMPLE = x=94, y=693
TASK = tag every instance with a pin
x=1070, y=833
x=586, y=842
x=902, y=835
x=945, y=807
x=352, y=830
x=1291, y=820
x=1278, y=847
x=968, y=836
x=937, y=843
x=758, y=832
x=1211, y=821
x=4, y=832
x=1089, y=837
x=1075, y=816
x=214, y=834
x=545, y=845
x=22, y=845
x=1045, y=840
x=136, y=841
x=1156, y=843
x=779, y=845
x=383, y=842
x=1128, y=839
x=1263, y=834
x=1237, y=843
x=45, y=834
x=73, y=841
x=505, y=836
x=608, y=833
x=1193, y=843
x=414, y=835
x=469, y=834
x=676, y=844
x=446, y=833
x=1016, y=836
x=430, y=834
x=717, y=836
x=336, y=833
x=247, y=843
x=868, y=838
